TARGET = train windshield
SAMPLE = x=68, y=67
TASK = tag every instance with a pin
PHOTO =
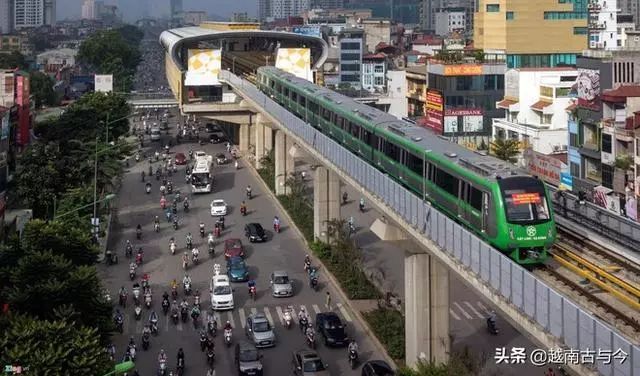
x=524, y=199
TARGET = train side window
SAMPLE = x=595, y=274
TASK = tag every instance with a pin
x=355, y=130
x=414, y=163
x=339, y=122
x=286, y=91
x=272, y=84
x=365, y=136
x=294, y=96
x=375, y=142
x=475, y=198
x=447, y=182
x=326, y=114
x=392, y=151
x=279, y=88
x=464, y=187
x=302, y=100
x=313, y=107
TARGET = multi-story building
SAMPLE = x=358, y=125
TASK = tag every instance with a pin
x=53, y=61
x=351, y=50
x=281, y=9
x=535, y=102
x=264, y=10
x=6, y=16
x=194, y=17
x=416, y=90
x=377, y=30
x=397, y=93
x=374, y=72
x=598, y=70
x=461, y=99
x=631, y=7
x=450, y=20
x=603, y=24
x=13, y=42
x=92, y=9
x=541, y=33
x=33, y=13
x=430, y=8
x=327, y=4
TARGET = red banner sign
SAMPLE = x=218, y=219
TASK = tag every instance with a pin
x=526, y=198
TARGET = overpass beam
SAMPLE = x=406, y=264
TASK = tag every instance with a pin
x=426, y=286
x=284, y=164
x=326, y=201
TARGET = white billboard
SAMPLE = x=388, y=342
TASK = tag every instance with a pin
x=473, y=123
x=203, y=67
x=450, y=124
x=103, y=83
x=296, y=61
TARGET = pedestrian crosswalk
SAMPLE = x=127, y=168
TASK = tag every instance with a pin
x=465, y=310
x=237, y=317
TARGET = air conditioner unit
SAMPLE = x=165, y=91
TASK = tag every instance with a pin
x=563, y=147
x=592, y=44
x=556, y=148
x=636, y=39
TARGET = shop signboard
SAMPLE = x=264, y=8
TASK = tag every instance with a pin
x=463, y=70
x=450, y=124
x=545, y=166
x=103, y=83
x=463, y=112
x=313, y=31
x=473, y=123
x=434, y=111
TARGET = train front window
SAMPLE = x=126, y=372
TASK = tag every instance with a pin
x=524, y=200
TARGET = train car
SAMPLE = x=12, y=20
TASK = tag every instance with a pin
x=506, y=207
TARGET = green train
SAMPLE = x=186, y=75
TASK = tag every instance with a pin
x=510, y=210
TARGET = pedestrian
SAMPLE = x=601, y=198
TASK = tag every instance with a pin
x=327, y=301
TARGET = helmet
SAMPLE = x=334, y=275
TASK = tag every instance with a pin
x=162, y=351
x=228, y=322
x=302, y=309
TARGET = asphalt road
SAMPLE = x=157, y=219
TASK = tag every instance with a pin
x=281, y=251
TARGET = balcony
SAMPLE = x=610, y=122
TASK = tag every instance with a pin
x=416, y=94
x=623, y=130
x=594, y=6
x=591, y=149
x=597, y=26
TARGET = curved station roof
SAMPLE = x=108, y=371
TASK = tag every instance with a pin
x=232, y=36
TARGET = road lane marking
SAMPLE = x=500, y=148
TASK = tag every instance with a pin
x=268, y=314
x=473, y=309
x=344, y=312
x=179, y=326
x=280, y=314
x=138, y=326
x=243, y=319
x=254, y=311
x=230, y=319
x=166, y=323
x=468, y=316
x=316, y=308
x=482, y=307
x=453, y=314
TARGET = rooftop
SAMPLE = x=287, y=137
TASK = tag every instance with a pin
x=547, y=69
x=623, y=91
x=417, y=69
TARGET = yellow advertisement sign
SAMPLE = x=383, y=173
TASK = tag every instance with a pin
x=463, y=70
x=296, y=61
x=203, y=67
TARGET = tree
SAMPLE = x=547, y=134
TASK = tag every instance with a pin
x=505, y=149
x=12, y=60
x=460, y=364
x=42, y=89
x=61, y=239
x=52, y=347
x=131, y=34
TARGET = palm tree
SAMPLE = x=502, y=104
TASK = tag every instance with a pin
x=505, y=149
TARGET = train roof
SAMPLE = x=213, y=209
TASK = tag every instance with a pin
x=422, y=138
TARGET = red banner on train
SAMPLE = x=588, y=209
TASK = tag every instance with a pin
x=526, y=198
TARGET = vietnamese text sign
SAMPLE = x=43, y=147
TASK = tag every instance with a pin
x=463, y=70
x=525, y=198
x=103, y=83
x=434, y=107
x=546, y=167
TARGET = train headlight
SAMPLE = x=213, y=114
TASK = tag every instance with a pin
x=511, y=233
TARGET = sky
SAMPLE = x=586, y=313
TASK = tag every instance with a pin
x=135, y=9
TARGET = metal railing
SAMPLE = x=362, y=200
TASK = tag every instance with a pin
x=540, y=303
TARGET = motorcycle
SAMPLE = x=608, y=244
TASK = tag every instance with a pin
x=194, y=258
x=194, y=317
x=175, y=224
x=361, y=206
x=138, y=234
x=162, y=369
x=220, y=223
x=136, y=295
x=154, y=325
x=216, y=230
x=187, y=287
x=148, y=188
x=276, y=228
x=211, y=251
x=180, y=367
x=123, y=299
x=252, y=292
x=110, y=257
x=174, y=293
x=313, y=281
x=212, y=328
x=202, y=231
x=128, y=251
x=189, y=244
x=147, y=300
x=119, y=323
x=210, y=357
x=172, y=247
x=203, y=341
x=132, y=272
x=243, y=210
x=491, y=326
x=353, y=359
x=184, y=314
x=138, y=312
x=145, y=341
x=174, y=317
x=186, y=206
x=132, y=351
x=139, y=258
x=249, y=195
x=287, y=318
x=156, y=227
x=227, y=337
x=311, y=339
x=165, y=306
x=304, y=322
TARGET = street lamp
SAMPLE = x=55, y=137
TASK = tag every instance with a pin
x=108, y=123
x=121, y=368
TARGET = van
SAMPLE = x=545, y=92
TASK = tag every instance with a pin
x=155, y=134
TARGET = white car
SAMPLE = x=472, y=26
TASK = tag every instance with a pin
x=221, y=293
x=218, y=208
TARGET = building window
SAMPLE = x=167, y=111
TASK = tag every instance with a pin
x=379, y=81
x=579, y=30
x=574, y=169
x=493, y=7
x=566, y=15
x=509, y=15
x=546, y=119
x=573, y=140
x=607, y=176
x=355, y=57
x=606, y=143
x=350, y=78
x=350, y=45
x=379, y=69
x=513, y=135
x=350, y=67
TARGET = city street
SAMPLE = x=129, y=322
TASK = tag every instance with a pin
x=284, y=251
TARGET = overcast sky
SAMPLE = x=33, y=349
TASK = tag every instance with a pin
x=135, y=9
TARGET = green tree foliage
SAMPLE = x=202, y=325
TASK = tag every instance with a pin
x=506, y=149
x=12, y=60
x=61, y=239
x=388, y=325
x=131, y=34
x=42, y=89
x=68, y=205
x=460, y=364
x=112, y=52
x=52, y=347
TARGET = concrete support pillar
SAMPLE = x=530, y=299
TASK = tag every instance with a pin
x=263, y=137
x=426, y=286
x=326, y=201
x=283, y=161
x=244, y=137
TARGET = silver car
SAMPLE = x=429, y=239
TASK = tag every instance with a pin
x=281, y=284
x=259, y=331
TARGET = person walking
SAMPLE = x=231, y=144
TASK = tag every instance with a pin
x=327, y=301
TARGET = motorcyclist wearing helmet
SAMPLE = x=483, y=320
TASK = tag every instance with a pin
x=250, y=284
x=186, y=280
x=162, y=357
x=353, y=346
x=302, y=314
x=227, y=326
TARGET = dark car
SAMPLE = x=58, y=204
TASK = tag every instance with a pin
x=237, y=270
x=215, y=133
x=331, y=329
x=248, y=359
x=233, y=248
x=377, y=368
x=308, y=363
x=181, y=159
x=254, y=232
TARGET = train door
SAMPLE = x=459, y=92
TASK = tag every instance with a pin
x=463, y=192
x=485, y=212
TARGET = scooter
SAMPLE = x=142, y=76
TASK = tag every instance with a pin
x=184, y=314
x=311, y=339
x=145, y=341
x=172, y=247
x=186, y=206
x=132, y=272
x=227, y=337
x=156, y=227
x=187, y=288
x=165, y=306
x=147, y=301
x=148, y=188
x=202, y=231
x=276, y=228
x=119, y=323
x=210, y=357
x=211, y=250
x=353, y=359
x=287, y=317
x=175, y=224
x=123, y=299
x=203, y=341
x=163, y=368
x=491, y=326
x=212, y=328
x=138, y=312
x=314, y=282
x=154, y=325
x=138, y=234
x=174, y=317
x=252, y=292
x=194, y=258
x=304, y=323
x=243, y=210
x=136, y=295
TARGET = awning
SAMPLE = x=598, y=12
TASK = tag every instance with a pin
x=540, y=105
x=505, y=103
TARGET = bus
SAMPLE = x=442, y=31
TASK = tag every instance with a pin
x=201, y=176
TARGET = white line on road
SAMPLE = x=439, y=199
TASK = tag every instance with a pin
x=254, y=311
x=179, y=326
x=453, y=314
x=344, y=312
x=280, y=314
x=474, y=310
x=316, y=308
x=268, y=314
x=243, y=319
x=468, y=316
x=166, y=323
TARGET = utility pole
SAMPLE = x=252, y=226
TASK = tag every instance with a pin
x=95, y=193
